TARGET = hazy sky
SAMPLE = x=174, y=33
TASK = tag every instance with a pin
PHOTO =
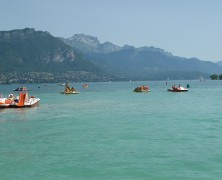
x=186, y=28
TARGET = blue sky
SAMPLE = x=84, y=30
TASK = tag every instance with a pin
x=186, y=28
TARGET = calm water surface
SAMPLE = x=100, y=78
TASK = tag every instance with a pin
x=109, y=132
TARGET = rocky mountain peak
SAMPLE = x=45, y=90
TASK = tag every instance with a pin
x=90, y=44
x=85, y=39
x=20, y=34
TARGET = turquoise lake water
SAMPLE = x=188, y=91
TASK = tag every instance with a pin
x=109, y=132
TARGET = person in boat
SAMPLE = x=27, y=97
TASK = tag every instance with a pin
x=67, y=85
x=144, y=87
x=67, y=88
x=11, y=97
x=138, y=88
x=73, y=89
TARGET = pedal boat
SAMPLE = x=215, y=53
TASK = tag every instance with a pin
x=23, y=100
x=141, y=89
x=178, y=89
x=71, y=92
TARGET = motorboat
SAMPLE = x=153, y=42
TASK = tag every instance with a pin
x=142, y=89
x=23, y=100
x=177, y=89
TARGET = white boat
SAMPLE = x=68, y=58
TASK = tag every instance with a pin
x=31, y=101
x=23, y=100
x=178, y=89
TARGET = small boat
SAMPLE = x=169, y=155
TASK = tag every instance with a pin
x=142, y=89
x=20, y=89
x=178, y=89
x=23, y=100
x=85, y=85
x=71, y=92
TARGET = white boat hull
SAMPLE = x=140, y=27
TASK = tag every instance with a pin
x=22, y=101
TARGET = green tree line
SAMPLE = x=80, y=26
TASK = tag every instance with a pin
x=216, y=76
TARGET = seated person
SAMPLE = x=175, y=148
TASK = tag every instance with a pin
x=11, y=97
x=72, y=89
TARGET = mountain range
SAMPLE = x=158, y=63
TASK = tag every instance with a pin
x=140, y=63
x=26, y=51
x=83, y=58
